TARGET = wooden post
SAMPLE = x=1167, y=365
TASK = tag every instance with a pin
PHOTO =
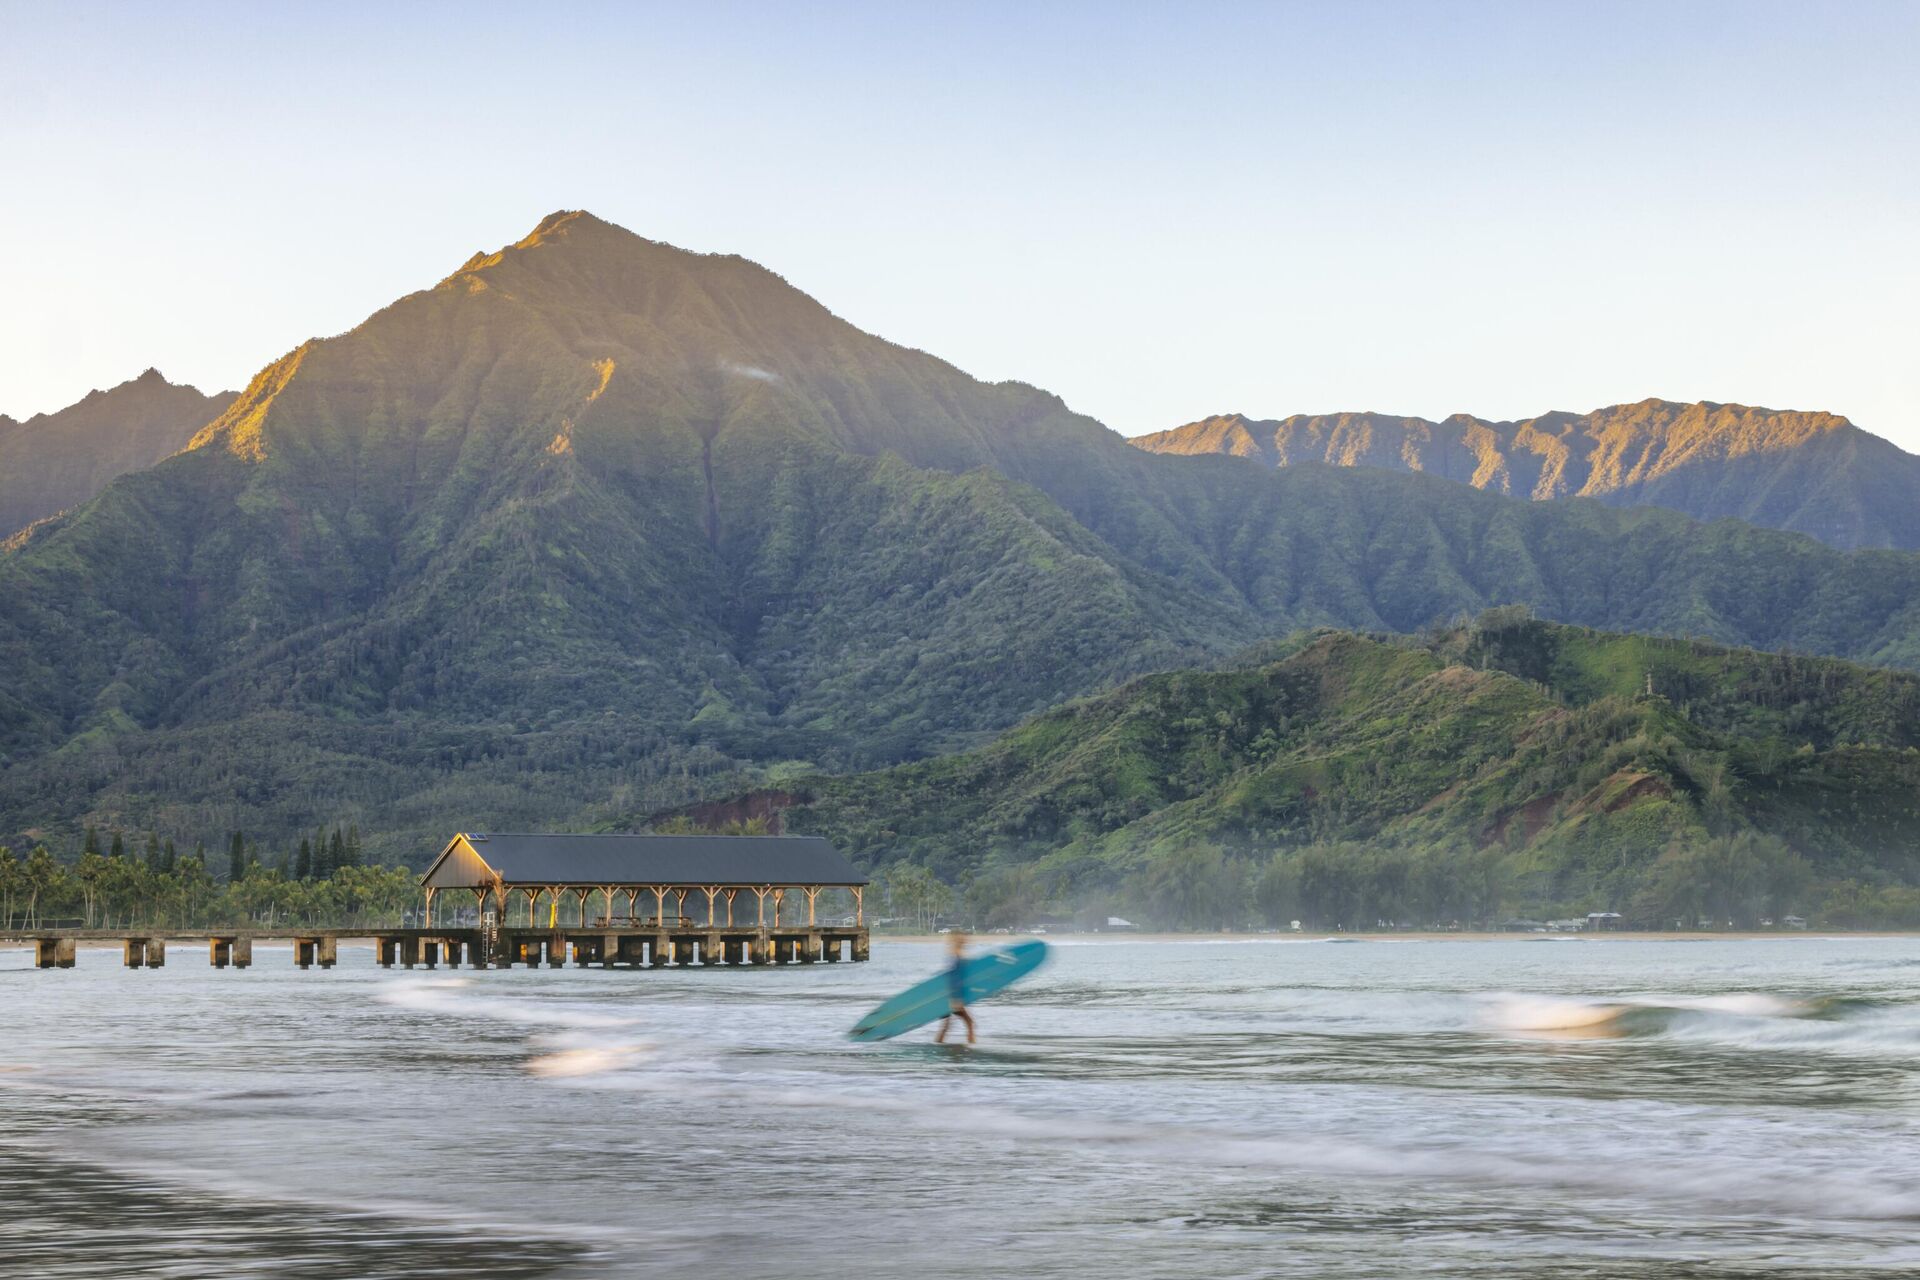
x=730, y=894
x=710, y=948
x=760, y=905
x=219, y=952
x=156, y=952
x=43, y=952
x=711, y=893
x=134, y=951
x=859, y=906
x=659, y=906
x=812, y=892
x=63, y=953
x=584, y=894
x=409, y=952
x=327, y=951
x=426, y=918
x=778, y=894
x=243, y=953
x=430, y=953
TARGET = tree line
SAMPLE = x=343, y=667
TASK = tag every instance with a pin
x=324, y=880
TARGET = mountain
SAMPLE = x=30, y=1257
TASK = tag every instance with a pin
x=54, y=460
x=1812, y=473
x=1507, y=764
x=596, y=524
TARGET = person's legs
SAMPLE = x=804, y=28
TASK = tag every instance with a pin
x=941, y=1036
x=965, y=1017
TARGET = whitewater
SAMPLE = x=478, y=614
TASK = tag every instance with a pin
x=1501, y=1108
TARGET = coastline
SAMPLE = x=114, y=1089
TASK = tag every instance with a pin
x=1116, y=939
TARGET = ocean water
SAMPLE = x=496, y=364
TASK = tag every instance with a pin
x=1274, y=1107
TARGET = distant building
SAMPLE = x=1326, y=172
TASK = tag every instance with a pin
x=1603, y=920
x=1795, y=922
x=1566, y=926
x=1116, y=925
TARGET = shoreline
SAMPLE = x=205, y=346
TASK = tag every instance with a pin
x=1117, y=939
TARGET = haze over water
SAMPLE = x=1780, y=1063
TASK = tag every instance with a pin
x=1275, y=1107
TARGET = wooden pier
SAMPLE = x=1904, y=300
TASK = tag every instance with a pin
x=524, y=887
x=687, y=946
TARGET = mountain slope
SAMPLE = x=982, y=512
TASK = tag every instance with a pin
x=1811, y=473
x=596, y=523
x=54, y=460
x=1511, y=753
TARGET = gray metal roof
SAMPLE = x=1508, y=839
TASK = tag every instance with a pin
x=664, y=860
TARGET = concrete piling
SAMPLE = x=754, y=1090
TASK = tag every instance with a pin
x=656, y=947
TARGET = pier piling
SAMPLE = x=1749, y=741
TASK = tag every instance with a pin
x=53, y=953
x=654, y=946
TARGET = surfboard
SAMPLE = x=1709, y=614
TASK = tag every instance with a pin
x=980, y=977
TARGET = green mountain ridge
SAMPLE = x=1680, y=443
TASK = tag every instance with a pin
x=1812, y=473
x=53, y=461
x=1508, y=764
x=596, y=524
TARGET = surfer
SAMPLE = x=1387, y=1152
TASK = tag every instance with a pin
x=956, y=989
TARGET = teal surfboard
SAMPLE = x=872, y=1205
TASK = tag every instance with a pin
x=980, y=977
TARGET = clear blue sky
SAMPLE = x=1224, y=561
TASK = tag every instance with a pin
x=1157, y=211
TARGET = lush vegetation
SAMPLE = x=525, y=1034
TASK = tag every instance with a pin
x=597, y=527
x=1812, y=473
x=1505, y=766
x=322, y=881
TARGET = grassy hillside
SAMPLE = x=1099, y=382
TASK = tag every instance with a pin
x=1812, y=473
x=596, y=524
x=1510, y=765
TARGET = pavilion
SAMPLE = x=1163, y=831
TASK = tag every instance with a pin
x=501, y=869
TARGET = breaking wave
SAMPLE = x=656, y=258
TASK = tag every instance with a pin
x=1755, y=1019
